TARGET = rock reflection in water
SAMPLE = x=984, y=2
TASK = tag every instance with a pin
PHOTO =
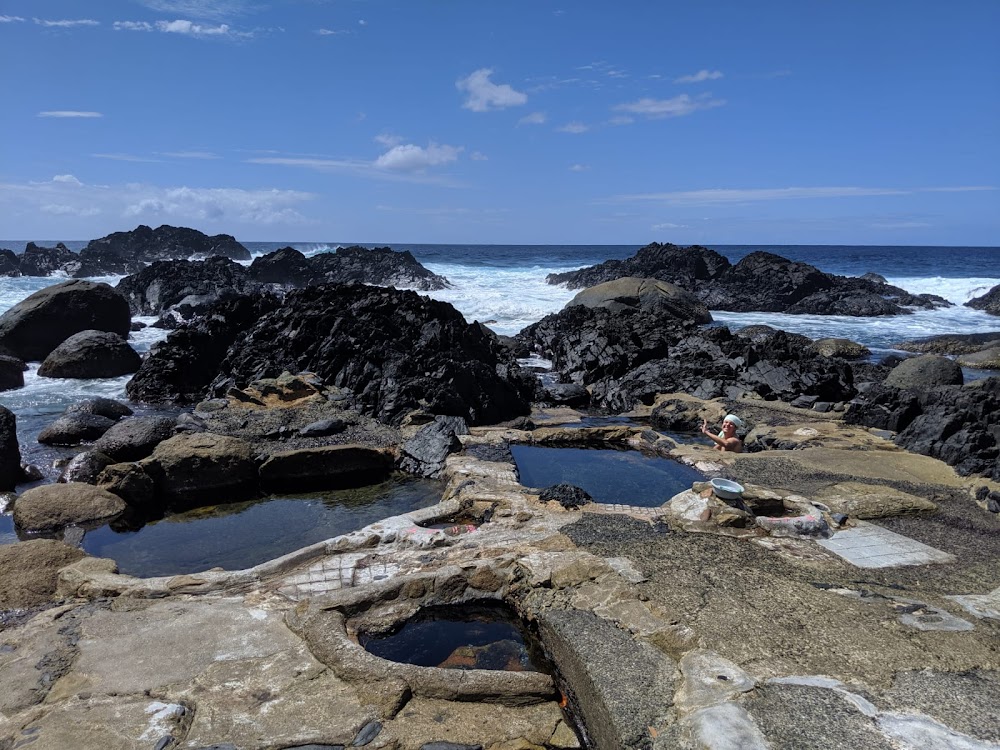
x=609, y=476
x=241, y=535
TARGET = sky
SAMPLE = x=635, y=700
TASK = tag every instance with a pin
x=504, y=121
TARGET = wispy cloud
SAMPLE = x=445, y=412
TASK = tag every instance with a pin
x=667, y=225
x=65, y=195
x=478, y=156
x=10, y=19
x=679, y=106
x=69, y=113
x=184, y=27
x=483, y=95
x=535, y=118
x=190, y=154
x=126, y=157
x=333, y=32
x=411, y=158
x=701, y=75
x=579, y=168
x=212, y=10
x=388, y=139
x=573, y=127
x=66, y=24
x=753, y=195
x=132, y=26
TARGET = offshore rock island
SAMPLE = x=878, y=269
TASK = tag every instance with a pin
x=847, y=596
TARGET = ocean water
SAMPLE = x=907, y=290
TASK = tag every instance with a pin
x=504, y=287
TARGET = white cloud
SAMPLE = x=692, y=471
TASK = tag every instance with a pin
x=478, y=156
x=69, y=113
x=701, y=75
x=215, y=10
x=676, y=107
x=62, y=210
x=484, y=95
x=752, y=195
x=332, y=32
x=126, y=157
x=66, y=24
x=667, y=225
x=579, y=168
x=67, y=179
x=412, y=158
x=362, y=22
x=535, y=118
x=190, y=28
x=190, y=154
x=388, y=140
x=132, y=26
x=10, y=19
x=574, y=127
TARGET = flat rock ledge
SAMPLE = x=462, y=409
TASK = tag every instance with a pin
x=668, y=630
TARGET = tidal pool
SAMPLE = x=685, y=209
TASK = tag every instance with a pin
x=624, y=477
x=471, y=636
x=241, y=535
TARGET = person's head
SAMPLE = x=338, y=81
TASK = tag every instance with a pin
x=730, y=424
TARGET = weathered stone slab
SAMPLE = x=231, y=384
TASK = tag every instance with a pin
x=870, y=546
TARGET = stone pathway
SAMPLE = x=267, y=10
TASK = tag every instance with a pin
x=871, y=546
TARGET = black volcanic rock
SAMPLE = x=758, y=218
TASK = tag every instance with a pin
x=180, y=369
x=38, y=324
x=284, y=266
x=989, y=302
x=10, y=264
x=761, y=281
x=42, y=261
x=11, y=373
x=167, y=283
x=381, y=266
x=10, y=451
x=668, y=299
x=396, y=350
x=164, y=243
x=91, y=354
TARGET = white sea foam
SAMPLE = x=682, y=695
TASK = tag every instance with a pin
x=958, y=291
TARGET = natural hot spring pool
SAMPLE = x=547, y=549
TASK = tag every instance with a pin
x=627, y=477
x=470, y=636
x=241, y=535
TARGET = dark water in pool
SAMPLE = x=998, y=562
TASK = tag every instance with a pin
x=240, y=535
x=487, y=636
x=610, y=476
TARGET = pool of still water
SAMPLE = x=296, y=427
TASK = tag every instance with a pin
x=241, y=535
x=624, y=477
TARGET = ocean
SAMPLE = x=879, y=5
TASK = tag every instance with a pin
x=503, y=286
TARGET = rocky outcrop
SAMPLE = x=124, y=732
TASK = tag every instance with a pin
x=180, y=369
x=927, y=371
x=10, y=264
x=132, y=484
x=189, y=469
x=10, y=451
x=170, y=283
x=91, y=354
x=988, y=303
x=43, y=261
x=30, y=571
x=54, y=506
x=146, y=245
x=284, y=266
x=324, y=467
x=105, y=407
x=425, y=453
x=761, y=281
x=74, y=428
x=974, y=350
x=11, y=373
x=134, y=438
x=956, y=424
x=843, y=348
x=631, y=292
x=381, y=266
x=85, y=466
x=627, y=357
x=38, y=324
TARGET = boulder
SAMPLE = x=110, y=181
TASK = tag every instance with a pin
x=131, y=483
x=29, y=571
x=196, y=284
x=180, y=369
x=424, y=454
x=134, y=438
x=378, y=265
x=284, y=266
x=566, y=394
x=324, y=467
x=10, y=264
x=192, y=469
x=988, y=303
x=74, y=428
x=11, y=373
x=323, y=428
x=91, y=354
x=53, y=506
x=85, y=467
x=927, y=371
x=843, y=348
x=105, y=407
x=43, y=261
x=631, y=292
x=38, y=324
x=10, y=450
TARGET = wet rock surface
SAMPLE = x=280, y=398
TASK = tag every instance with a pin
x=168, y=284
x=91, y=354
x=989, y=302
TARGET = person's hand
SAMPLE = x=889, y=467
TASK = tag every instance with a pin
x=704, y=425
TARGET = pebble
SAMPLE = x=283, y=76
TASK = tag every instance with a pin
x=368, y=732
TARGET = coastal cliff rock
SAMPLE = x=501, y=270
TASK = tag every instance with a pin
x=168, y=283
x=989, y=302
x=761, y=281
x=91, y=354
x=625, y=357
x=38, y=324
x=146, y=245
x=284, y=266
x=42, y=261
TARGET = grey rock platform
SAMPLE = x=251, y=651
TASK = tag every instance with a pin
x=871, y=546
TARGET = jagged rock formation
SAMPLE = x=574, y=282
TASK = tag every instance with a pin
x=989, y=302
x=759, y=282
x=169, y=283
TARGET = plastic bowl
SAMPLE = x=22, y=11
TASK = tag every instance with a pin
x=727, y=489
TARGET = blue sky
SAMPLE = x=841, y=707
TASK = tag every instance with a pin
x=849, y=122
